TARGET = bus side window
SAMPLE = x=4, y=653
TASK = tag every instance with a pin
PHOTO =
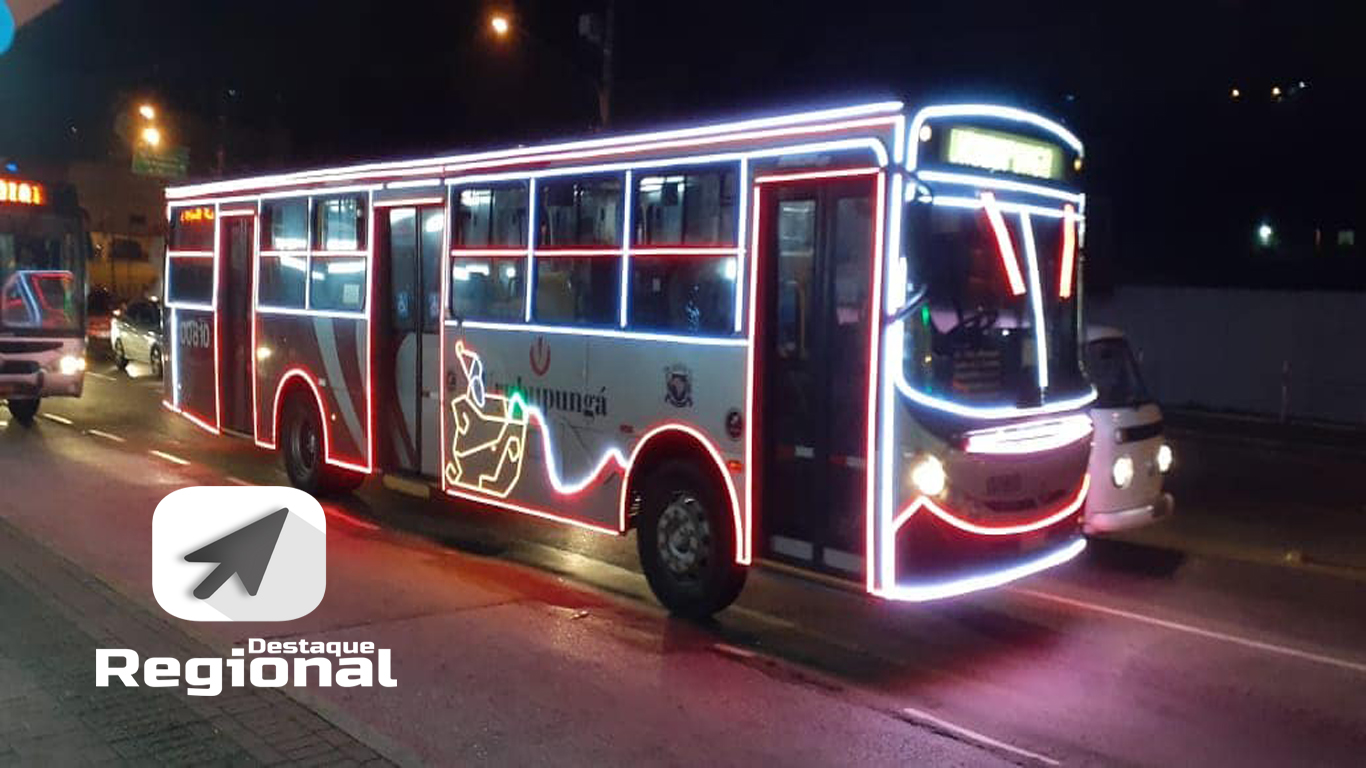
x=796, y=264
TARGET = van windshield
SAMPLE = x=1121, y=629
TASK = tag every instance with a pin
x=1115, y=374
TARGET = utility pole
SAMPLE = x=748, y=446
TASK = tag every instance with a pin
x=605, y=83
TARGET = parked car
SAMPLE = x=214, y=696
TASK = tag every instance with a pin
x=99, y=305
x=1129, y=456
x=135, y=333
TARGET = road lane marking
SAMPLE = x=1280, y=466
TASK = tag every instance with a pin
x=105, y=435
x=238, y=481
x=104, y=376
x=58, y=419
x=342, y=516
x=1211, y=634
x=170, y=457
x=981, y=739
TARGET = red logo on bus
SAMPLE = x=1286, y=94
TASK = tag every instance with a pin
x=540, y=356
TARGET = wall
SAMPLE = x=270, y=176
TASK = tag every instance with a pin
x=1265, y=352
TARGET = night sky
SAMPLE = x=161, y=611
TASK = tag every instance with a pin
x=1180, y=174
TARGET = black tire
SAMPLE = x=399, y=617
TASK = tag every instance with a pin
x=120, y=358
x=301, y=446
x=24, y=411
x=154, y=358
x=685, y=535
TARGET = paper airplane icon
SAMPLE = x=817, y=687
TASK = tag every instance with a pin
x=245, y=552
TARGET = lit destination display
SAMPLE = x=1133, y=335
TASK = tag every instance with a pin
x=997, y=151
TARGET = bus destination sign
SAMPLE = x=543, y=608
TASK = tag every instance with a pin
x=1005, y=152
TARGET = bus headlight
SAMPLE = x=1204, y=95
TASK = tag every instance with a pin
x=72, y=365
x=928, y=476
x=1164, y=458
x=1122, y=472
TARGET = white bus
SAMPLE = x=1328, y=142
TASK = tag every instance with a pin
x=842, y=341
x=43, y=248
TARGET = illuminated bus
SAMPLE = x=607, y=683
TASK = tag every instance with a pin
x=842, y=342
x=43, y=247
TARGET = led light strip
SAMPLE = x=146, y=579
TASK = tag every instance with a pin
x=1005, y=185
x=987, y=580
x=1004, y=247
x=407, y=202
x=1004, y=206
x=1029, y=437
x=624, y=290
x=609, y=333
x=323, y=414
x=992, y=411
x=876, y=146
x=819, y=119
x=1036, y=300
x=1053, y=518
x=1069, y=252
x=740, y=231
x=986, y=110
x=609, y=458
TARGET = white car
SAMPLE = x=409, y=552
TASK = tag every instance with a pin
x=135, y=335
x=1128, y=454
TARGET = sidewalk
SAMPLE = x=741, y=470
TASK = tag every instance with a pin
x=51, y=712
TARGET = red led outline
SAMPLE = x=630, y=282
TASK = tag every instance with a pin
x=1004, y=246
x=1069, y=252
x=307, y=376
x=1068, y=509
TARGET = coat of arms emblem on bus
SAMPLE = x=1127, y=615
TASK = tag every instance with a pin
x=489, y=433
x=678, y=386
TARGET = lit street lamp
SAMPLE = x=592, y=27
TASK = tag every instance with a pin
x=500, y=24
x=151, y=136
x=147, y=111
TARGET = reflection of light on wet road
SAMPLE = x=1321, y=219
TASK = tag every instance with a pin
x=170, y=457
x=105, y=435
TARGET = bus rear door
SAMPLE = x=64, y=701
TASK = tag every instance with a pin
x=816, y=303
x=410, y=354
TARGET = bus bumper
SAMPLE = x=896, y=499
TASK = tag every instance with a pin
x=30, y=369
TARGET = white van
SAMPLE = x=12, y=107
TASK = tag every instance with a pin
x=1128, y=454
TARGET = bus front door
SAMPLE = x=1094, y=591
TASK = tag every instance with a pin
x=410, y=382
x=817, y=303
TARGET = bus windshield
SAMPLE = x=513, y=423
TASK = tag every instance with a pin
x=970, y=334
x=40, y=264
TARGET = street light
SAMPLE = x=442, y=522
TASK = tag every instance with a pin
x=500, y=24
x=151, y=136
x=147, y=111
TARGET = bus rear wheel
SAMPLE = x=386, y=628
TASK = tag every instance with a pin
x=302, y=447
x=686, y=542
x=24, y=411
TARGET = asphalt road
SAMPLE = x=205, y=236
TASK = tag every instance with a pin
x=519, y=642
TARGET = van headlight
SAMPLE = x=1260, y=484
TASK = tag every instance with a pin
x=72, y=365
x=1122, y=472
x=928, y=476
x=1164, y=458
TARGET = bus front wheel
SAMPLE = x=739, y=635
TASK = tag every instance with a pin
x=686, y=541
x=24, y=411
x=303, y=447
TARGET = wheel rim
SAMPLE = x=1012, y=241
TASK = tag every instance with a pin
x=684, y=537
x=305, y=445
